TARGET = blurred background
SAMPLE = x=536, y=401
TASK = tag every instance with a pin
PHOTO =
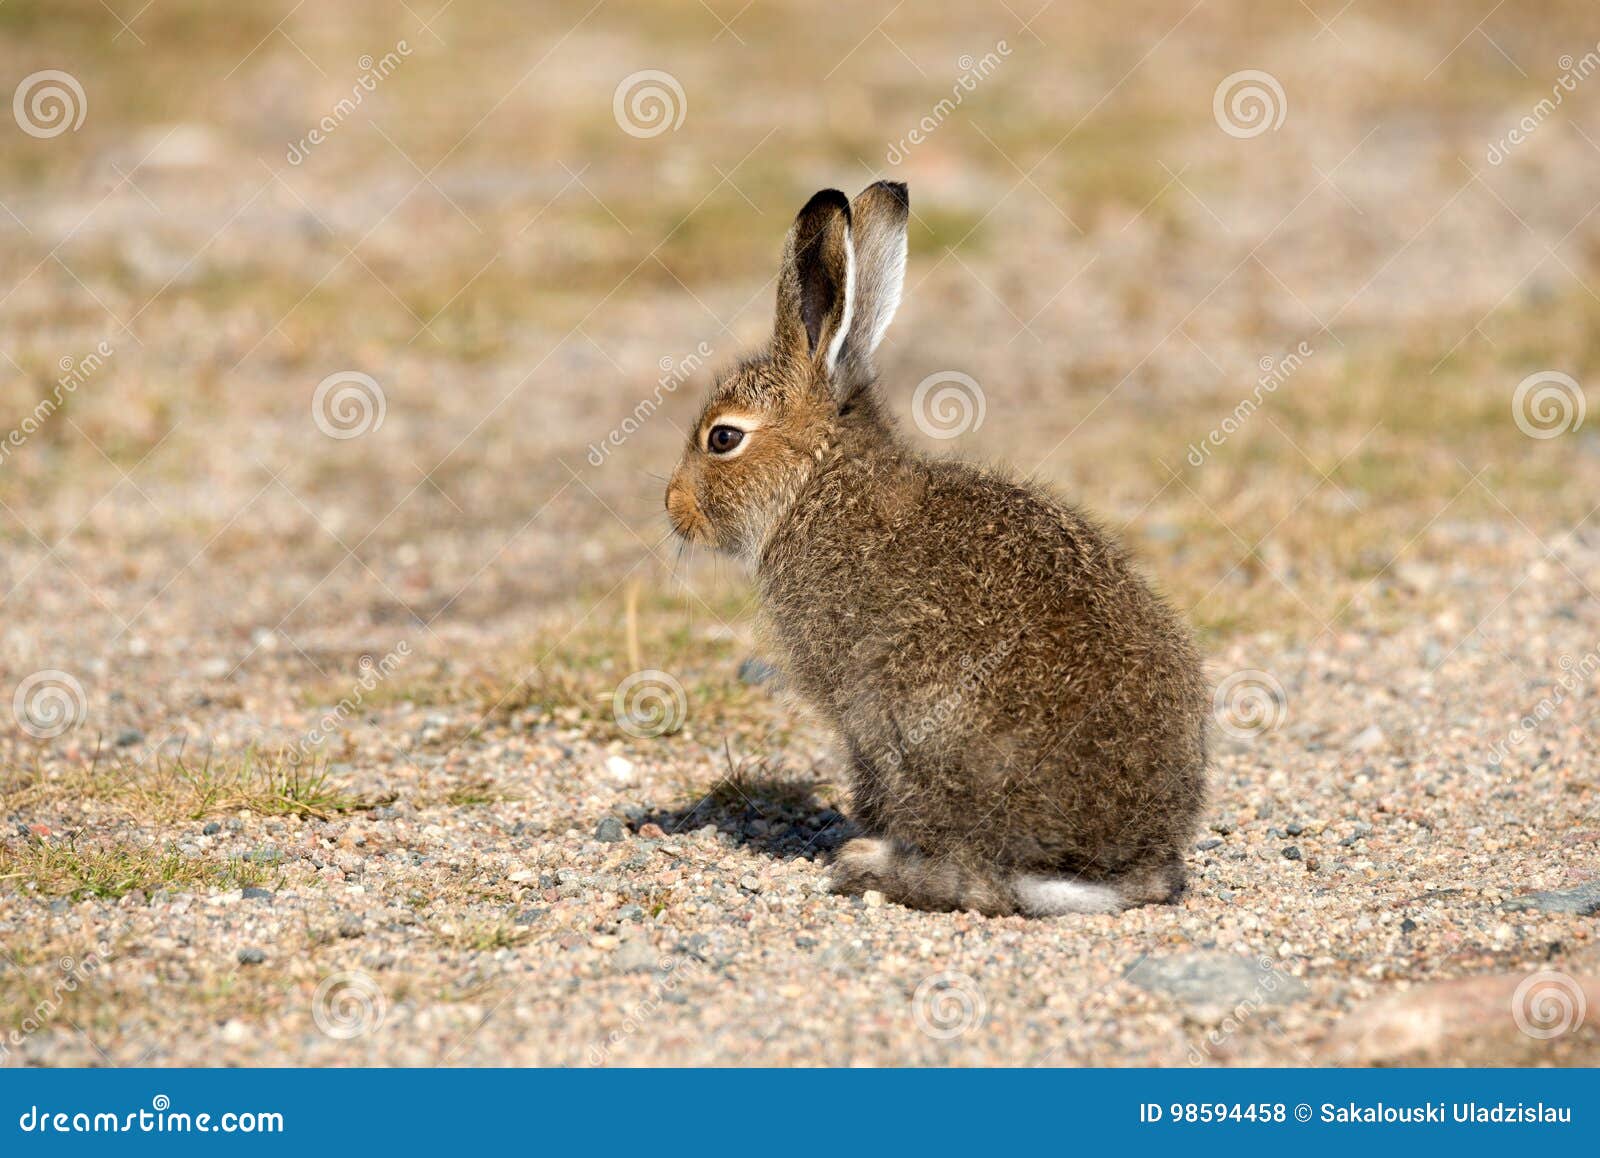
x=479, y=235
x=327, y=328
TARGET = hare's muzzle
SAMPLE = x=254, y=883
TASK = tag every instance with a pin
x=682, y=509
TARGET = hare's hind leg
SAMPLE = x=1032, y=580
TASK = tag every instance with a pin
x=904, y=875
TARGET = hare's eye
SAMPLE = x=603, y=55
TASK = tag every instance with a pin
x=723, y=439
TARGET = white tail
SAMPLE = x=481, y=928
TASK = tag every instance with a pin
x=1052, y=896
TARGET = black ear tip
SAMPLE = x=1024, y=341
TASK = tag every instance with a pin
x=896, y=191
x=825, y=200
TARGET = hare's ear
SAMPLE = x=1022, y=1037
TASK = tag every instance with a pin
x=816, y=282
x=878, y=233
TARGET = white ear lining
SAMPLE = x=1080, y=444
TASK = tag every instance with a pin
x=837, y=343
x=889, y=287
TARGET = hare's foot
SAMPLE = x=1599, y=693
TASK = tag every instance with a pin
x=861, y=864
x=941, y=884
x=907, y=877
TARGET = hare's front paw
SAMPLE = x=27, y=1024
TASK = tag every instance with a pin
x=859, y=865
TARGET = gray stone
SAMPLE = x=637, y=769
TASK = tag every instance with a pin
x=609, y=830
x=251, y=956
x=1211, y=978
x=756, y=671
x=128, y=737
x=1583, y=899
x=634, y=956
x=255, y=894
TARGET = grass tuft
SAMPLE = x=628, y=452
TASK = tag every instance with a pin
x=62, y=869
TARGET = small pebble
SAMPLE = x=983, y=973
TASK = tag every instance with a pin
x=634, y=956
x=251, y=956
x=1368, y=739
x=609, y=830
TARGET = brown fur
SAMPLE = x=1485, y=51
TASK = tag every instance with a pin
x=1014, y=699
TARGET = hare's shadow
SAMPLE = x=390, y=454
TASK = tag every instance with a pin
x=774, y=813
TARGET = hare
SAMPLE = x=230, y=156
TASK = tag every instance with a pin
x=1023, y=718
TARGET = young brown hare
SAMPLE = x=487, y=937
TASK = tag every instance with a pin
x=1023, y=717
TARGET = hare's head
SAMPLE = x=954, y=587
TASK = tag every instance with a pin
x=772, y=419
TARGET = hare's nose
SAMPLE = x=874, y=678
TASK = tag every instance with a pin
x=679, y=499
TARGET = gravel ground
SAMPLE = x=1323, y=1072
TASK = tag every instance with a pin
x=321, y=749
x=1355, y=857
